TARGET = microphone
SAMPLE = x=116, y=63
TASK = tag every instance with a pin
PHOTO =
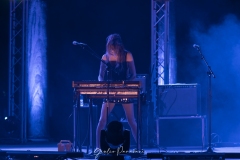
x=79, y=43
x=196, y=46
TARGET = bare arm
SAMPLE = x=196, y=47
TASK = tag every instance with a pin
x=131, y=67
x=102, y=69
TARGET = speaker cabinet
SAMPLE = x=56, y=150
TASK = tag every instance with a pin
x=181, y=131
x=179, y=100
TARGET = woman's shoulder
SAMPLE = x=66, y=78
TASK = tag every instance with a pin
x=129, y=56
x=104, y=57
x=128, y=52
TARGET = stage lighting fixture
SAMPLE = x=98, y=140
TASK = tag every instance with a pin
x=115, y=139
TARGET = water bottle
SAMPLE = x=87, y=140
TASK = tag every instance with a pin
x=81, y=100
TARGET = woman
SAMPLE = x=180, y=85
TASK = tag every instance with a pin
x=118, y=65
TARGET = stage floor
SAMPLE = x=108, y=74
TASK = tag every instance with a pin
x=51, y=149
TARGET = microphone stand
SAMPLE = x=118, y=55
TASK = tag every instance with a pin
x=210, y=75
x=108, y=86
x=109, y=68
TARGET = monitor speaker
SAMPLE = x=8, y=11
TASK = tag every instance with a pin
x=179, y=100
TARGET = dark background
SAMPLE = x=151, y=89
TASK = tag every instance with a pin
x=91, y=21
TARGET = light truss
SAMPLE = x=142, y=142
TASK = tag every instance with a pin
x=17, y=63
x=163, y=57
x=159, y=46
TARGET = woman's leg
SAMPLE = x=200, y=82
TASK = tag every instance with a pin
x=129, y=111
x=103, y=120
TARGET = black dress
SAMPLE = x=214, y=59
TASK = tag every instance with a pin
x=117, y=72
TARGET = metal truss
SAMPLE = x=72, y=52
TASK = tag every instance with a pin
x=17, y=64
x=159, y=55
x=159, y=48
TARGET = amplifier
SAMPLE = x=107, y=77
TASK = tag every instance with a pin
x=179, y=100
x=188, y=131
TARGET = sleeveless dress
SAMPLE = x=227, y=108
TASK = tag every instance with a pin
x=117, y=72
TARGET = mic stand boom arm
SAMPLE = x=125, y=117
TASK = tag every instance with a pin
x=90, y=50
